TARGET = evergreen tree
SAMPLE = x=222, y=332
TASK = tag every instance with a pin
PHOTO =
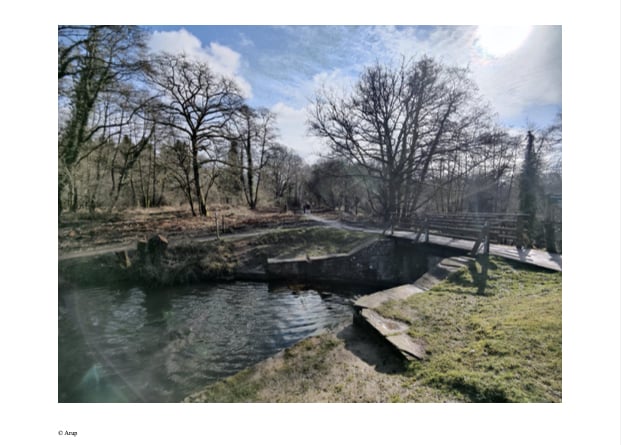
x=529, y=185
x=230, y=180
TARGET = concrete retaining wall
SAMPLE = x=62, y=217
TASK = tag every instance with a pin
x=375, y=262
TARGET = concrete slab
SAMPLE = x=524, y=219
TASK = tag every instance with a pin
x=407, y=346
x=374, y=300
x=395, y=332
x=385, y=326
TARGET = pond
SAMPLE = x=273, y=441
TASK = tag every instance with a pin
x=138, y=344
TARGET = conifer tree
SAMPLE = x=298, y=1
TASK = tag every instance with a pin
x=529, y=184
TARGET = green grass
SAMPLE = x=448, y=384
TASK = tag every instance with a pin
x=314, y=241
x=503, y=346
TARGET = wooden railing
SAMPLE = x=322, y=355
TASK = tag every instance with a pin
x=482, y=228
x=502, y=228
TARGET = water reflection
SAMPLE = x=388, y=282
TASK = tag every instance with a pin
x=133, y=344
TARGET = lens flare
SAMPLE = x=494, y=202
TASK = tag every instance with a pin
x=498, y=41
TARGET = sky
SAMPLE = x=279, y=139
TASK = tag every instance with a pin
x=517, y=68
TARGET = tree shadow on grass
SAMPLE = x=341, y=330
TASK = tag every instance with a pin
x=371, y=349
x=473, y=277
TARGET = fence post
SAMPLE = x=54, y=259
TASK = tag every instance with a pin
x=421, y=227
x=484, y=260
x=391, y=224
x=424, y=228
x=520, y=235
x=477, y=243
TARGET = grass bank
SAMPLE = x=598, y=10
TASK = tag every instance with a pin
x=222, y=257
x=504, y=346
x=313, y=241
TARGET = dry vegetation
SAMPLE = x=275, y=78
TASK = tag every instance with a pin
x=89, y=245
x=82, y=230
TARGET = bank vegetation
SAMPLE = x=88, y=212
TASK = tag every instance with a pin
x=505, y=346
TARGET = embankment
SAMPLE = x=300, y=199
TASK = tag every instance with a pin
x=303, y=255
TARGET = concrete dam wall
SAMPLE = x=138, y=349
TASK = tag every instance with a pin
x=382, y=262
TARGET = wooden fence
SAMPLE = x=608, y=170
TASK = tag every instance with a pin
x=502, y=228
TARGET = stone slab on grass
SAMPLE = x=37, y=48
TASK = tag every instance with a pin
x=376, y=299
x=385, y=326
x=407, y=346
x=395, y=332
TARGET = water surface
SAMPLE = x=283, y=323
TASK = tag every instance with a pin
x=144, y=345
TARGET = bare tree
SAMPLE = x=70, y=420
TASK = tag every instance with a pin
x=479, y=178
x=336, y=184
x=127, y=153
x=93, y=61
x=394, y=124
x=177, y=157
x=282, y=171
x=198, y=104
x=256, y=132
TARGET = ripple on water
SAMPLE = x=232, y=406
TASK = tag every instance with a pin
x=159, y=345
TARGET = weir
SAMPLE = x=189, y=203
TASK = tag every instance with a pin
x=378, y=262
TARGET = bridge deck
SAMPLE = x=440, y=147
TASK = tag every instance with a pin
x=536, y=257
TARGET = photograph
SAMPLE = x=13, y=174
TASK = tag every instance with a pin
x=310, y=214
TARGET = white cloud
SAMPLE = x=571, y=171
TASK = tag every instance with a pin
x=292, y=119
x=518, y=85
x=293, y=132
x=452, y=44
x=528, y=77
x=515, y=84
x=335, y=79
x=220, y=58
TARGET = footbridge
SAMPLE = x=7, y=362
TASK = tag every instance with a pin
x=472, y=233
x=497, y=234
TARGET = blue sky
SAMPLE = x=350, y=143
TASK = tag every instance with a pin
x=518, y=69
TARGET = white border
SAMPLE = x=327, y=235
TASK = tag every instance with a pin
x=590, y=410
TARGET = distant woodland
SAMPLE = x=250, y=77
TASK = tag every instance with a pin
x=138, y=129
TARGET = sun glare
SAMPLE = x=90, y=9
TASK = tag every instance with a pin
x=498, y=41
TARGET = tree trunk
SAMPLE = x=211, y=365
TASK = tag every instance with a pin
x=62, y=180
x=250, y=174
x=202, y=210
x=154, y=198
x=73, y=194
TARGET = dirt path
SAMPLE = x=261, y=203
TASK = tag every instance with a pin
x=84, y=235
x=339, y=225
